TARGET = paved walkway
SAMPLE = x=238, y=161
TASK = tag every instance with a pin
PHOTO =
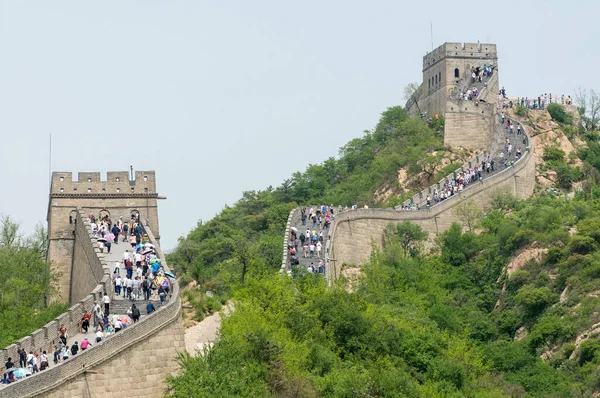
x=119, y=305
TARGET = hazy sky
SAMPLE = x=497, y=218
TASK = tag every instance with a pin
x=225, y=96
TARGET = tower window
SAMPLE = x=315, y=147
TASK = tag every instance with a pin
x=62, y=179
x=118, y=190
x=145, y=178
x=118, y=179
x=456, y=73
x=62, y=190
x=89, y=179
x=89, y=190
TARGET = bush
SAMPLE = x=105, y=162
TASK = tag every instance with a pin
x=588, y=350
x=521, y=110
x=552, y=153
x=534, y=300
x=582, y=244
x=560, y=114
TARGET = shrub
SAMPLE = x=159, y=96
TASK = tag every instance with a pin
x=521, y=110
x=552, y=153
x=588, y=351
x=560, y=114
x=534, y=300
x=582, y=244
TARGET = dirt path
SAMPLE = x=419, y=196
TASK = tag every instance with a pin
x=206, y=332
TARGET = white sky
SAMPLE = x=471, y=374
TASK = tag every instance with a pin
x=225, y=96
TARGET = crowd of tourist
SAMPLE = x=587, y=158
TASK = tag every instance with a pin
x=543, y=100
x=310, y=242
x=143, y=277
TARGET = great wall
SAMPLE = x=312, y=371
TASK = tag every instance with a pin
x=134, y=361
x=145, y=353
x=472, y=124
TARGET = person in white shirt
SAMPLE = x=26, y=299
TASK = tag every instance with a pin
x=106, y=301
x=118, y=284
x=126, y=256
x=99, y=335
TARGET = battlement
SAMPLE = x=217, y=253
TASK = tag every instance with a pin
x=117, y=182
x=460, y=50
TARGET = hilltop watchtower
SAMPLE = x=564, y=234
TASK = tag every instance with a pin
x=117, y=196
x=446, y=72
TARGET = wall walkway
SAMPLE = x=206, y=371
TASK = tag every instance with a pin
x=133, y=362
x=352, y=235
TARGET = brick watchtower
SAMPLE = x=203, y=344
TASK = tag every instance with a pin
x=117, y=196
x=446, y=71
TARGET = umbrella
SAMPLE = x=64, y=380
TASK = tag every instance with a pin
x=110, y=237
x=139, y=246
x=155, y=260
x=147, y=251
x=294, y=229
x=170, y=274
x=101, y=240
x=11, y=370
x=22, y=372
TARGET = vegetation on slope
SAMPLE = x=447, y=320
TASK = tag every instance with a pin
x=246, y=238
x=26, y=283
x=451, y=323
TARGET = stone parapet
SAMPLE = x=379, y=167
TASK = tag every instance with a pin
x=143, y=352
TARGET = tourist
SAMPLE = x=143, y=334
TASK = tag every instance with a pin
x=85, y=321
x=44, y=361
x=150, y=308
x=106, y=301
x=97, y=314
x=74, y=348
x=85, y=344
x=63, y=334
x=135, y=313
x=22, y=357
x=99, y=335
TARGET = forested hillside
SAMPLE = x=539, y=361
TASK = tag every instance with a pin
x=246, y=238
x=508, y=309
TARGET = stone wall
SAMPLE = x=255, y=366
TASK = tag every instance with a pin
x=292, y=219
x=46, y=337
x=355, y=231
x=468, y=125
x=88, y=267
x=132, y=363
x=116, y=196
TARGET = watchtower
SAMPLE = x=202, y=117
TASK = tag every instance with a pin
x=446, y=72
x=117, y=196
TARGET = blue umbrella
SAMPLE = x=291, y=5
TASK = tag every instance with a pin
x=170, y=274
x=22, y=372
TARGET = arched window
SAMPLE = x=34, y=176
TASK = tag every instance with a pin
x=456, y=73
x=429, y=81
x=135, y=214
x=72, y=216
x=104, y=213
x=440, y=79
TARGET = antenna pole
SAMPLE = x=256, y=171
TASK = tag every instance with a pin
x=50, y=162
x=431, y=31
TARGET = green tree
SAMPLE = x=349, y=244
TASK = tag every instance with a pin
x=406, y=234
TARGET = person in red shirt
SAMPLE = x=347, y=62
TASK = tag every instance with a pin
x=85, y=321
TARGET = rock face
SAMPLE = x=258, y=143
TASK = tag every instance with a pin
x=547, y=133
x=525, y=255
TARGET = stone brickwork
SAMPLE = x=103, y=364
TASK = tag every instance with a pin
x=115, y=196
x=444, y=70
x=355, y=231
x=469, y=126
x=131, y=363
